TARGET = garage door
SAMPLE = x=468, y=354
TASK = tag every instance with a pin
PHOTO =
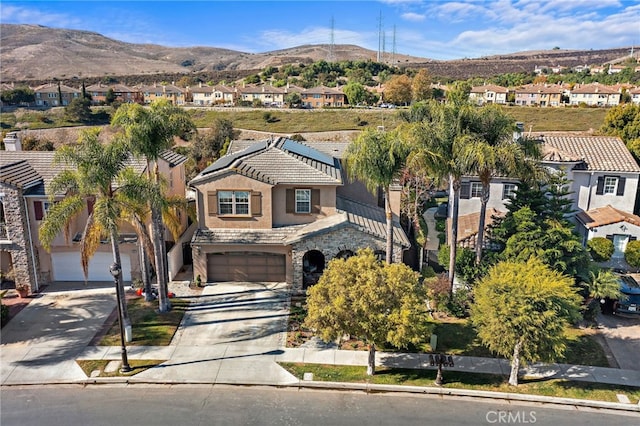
x=246, y=266
x=67, y=267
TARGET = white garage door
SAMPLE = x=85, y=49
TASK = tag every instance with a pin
x=67, y=267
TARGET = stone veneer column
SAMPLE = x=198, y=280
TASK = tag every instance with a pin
x=15, y=216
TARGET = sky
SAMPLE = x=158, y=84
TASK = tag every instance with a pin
x=424, y=28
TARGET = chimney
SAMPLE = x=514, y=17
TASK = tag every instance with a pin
x=12, y=142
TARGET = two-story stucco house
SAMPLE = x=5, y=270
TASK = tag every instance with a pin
x=49, y=95
x=488, y=94
x=279, y=210
x=24, y=202
x=321, y=96
x=602, y=174
x=539, y=95
x=594, y=95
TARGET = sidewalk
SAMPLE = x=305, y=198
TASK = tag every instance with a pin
x=35, y=351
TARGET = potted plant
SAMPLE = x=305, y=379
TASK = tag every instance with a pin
x=23, y=289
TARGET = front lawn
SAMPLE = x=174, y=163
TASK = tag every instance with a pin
x=150, y=328
x=463, y=380
x=458, y=337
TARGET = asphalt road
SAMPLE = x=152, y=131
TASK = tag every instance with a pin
x=225, y=405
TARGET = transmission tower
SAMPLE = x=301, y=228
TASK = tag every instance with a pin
x=331, y=44
x=380, y=37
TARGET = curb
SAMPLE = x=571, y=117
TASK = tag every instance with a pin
x=362, y=387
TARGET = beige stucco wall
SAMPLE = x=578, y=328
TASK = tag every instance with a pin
x=280, y=215
x=237, y=183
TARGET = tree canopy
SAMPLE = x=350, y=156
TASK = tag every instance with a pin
x=521, y=310
x=378, y=302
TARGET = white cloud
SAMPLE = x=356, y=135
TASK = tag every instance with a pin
x=413, y=17
x=22, y=15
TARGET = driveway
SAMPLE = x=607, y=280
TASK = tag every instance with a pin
x=251, y=314
x=622, y=334
x=43, y=340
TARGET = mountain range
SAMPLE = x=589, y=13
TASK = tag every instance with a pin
x=37, y=53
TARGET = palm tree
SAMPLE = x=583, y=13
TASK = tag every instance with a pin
x=377, y=158
x=493, y=152
x=95, y=170
x=149, y=132
x=438, y=142
x=603, y=284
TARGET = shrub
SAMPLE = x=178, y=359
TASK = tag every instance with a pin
x=459, y=304
x=600, y=248
x=632, y=253
x=4, y=314
x=591, y=310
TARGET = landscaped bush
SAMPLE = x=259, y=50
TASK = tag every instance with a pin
x=632, y=253
x=459, y=304
x=600, y=248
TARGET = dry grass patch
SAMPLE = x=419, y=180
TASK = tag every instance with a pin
x=137, y=365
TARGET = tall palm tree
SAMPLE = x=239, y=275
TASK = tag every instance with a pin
x=95, y=170
x=148, y=132
x=438, y=142
x=493, y=152
x=377, y=158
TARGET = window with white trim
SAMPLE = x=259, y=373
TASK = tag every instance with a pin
x=476, y=189
x=303, y=201
x=233, y=202
x=610, y=185
x=509, y=190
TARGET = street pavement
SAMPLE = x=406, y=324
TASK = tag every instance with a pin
x=231, y=334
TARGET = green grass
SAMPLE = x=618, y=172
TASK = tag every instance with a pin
x=458, y=337
x=558, y=119
x=464, y=380
x=137, y=365
x=301, y=121
x=150, y=328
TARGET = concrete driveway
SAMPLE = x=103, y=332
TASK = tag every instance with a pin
x=247, y=314
x=622, y=334
x=44, y=339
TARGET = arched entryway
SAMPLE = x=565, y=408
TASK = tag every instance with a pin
x=312, y=268
x=381, y=255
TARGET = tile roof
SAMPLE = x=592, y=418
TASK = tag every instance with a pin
x=19, y=174
x=468, y=226
x=600, y=153
x=281, y=161
x=606, y=216
x=334, y=149
x=489, y=88
x=42, y=163
x=244, y=236
x=323, y=90
x=371, y=219
x=540, y=88
x=593, y=88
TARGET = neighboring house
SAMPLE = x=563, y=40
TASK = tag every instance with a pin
x=267, y=95
x=539, y=95
x=279, y=210
x=173, y=94
x=594, y=95
x=601, y=171
x=488, y=94
x=203, y=95
x=635, y=95
x=608, y=222
x=321, y=96
x=49, y=95
x=24, y=202
x=123, y=94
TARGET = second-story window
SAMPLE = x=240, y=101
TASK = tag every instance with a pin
x=303, y=201
x=233, y=202
x=610, y=184
x=476, y=189
x=509, y=190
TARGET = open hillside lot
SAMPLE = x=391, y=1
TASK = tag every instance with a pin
x=328, y=120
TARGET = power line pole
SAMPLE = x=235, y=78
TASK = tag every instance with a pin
x=393, y=53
